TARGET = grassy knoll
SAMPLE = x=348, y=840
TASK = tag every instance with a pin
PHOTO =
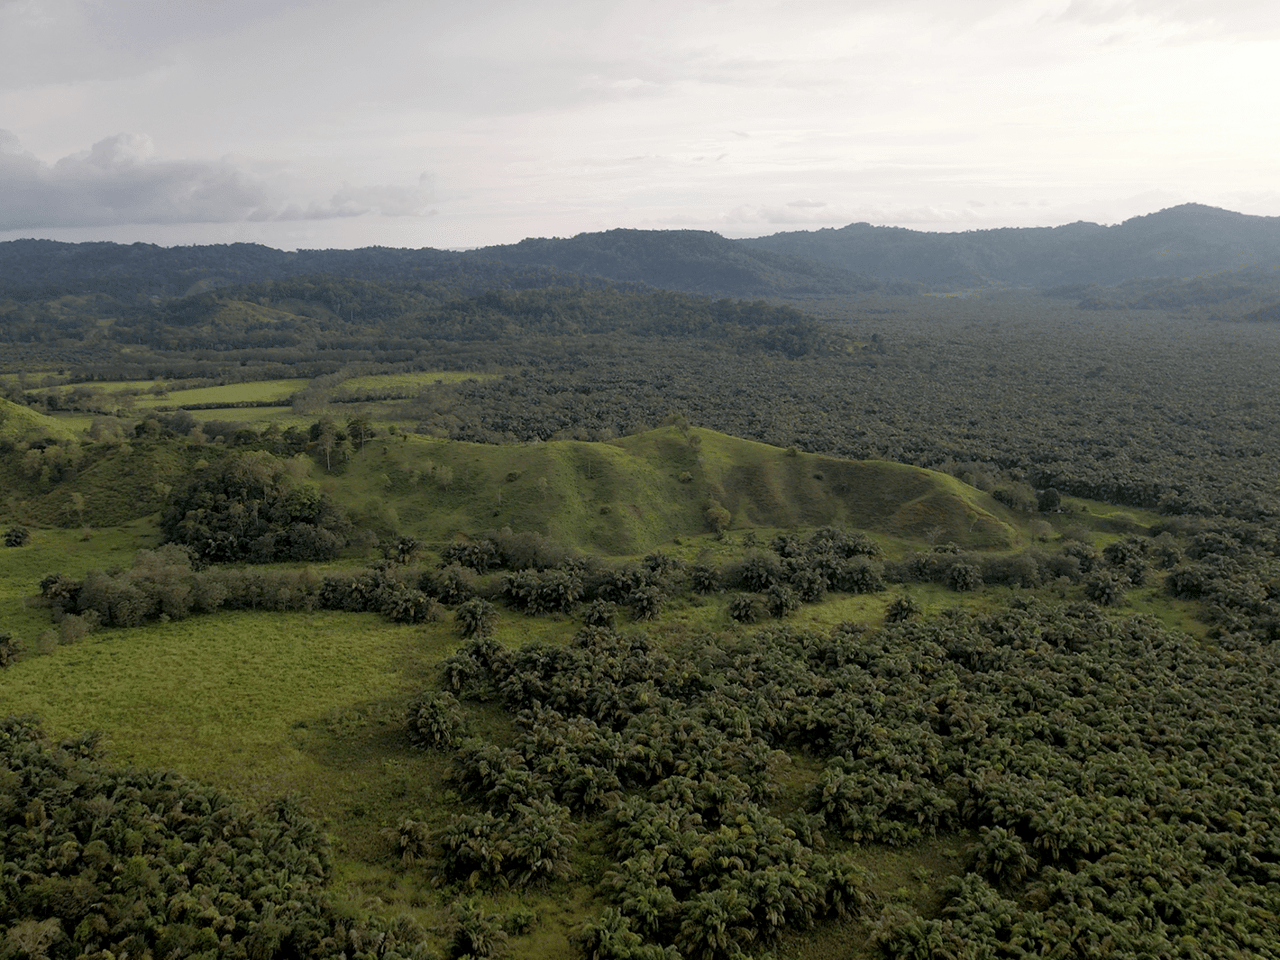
x=131, y=481
x=631, y=495
x=20, y=424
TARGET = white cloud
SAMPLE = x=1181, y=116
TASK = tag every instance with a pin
x=121, y=180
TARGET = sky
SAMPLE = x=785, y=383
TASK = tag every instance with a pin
x=433, y=123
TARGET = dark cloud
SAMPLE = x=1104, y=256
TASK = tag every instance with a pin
x=120, y=181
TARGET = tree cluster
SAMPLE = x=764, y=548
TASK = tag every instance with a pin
x=104, y=862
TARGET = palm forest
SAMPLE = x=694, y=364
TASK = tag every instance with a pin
x=644, y=596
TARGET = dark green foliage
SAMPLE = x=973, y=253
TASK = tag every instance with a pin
x=646, y=601
x=542, y=591
x=600, y=613
x=703, y=578
x=1105, y=589
x=412, y=840
x=141, y=863
x=474, y=932
x=1048, y=500
x=481, y=664
x=452, y=584
x=17, y=536
x=781, y=600
x=8, y=650
x=506, y=550
x=757, y=572
x=746, y=608
x=245, y=507
x=903, y=607
x=964, y=577
x=476, y=617
x=1001, y=858
x=527, y=842
x=611, y=937
x=435, y=721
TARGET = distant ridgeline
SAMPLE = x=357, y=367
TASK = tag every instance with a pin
x=1191, y=240
x=125, y=311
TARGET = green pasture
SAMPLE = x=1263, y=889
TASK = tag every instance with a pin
x=230, y=394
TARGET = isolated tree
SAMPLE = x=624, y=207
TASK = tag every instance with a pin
x=1048, y=500
x=360, y=430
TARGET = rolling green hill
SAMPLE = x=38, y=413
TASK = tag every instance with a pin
x=20, y=424
x=630, y=495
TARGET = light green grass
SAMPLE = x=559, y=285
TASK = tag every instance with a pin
x=257, y=417
x=73, y=552
x=261, y=391
x=218, y=696
x=20, y=424
x=632, y=495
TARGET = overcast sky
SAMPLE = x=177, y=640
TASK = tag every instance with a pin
x=411, y=123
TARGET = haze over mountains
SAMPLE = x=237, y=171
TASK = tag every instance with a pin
x=1185, y=241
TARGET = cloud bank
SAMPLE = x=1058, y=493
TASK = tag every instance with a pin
x=121, y=181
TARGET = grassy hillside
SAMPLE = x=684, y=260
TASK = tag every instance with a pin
x=630, y=495
x=20, y=424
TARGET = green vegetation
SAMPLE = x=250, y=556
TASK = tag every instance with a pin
x=656, y=627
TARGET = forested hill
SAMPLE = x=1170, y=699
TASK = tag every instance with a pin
x=35, y=269
x=687, y=260
x=696, y=261
x=1185, y=241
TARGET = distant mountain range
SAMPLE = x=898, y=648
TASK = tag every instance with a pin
x=1185, y=241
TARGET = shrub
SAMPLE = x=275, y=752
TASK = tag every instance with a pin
x=473, y=932
x=746, y=608
x=600, y=613
x=781, y=600
x=436, y=721
x=452, y=585
x=646, y=601
x=964, y=577
x=1105, y=589
x=703, y=579
x=717, y=516
x=17, y=537
x=476, y=618
x=903, y=607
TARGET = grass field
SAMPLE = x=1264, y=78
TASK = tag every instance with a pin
x=262, y=391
